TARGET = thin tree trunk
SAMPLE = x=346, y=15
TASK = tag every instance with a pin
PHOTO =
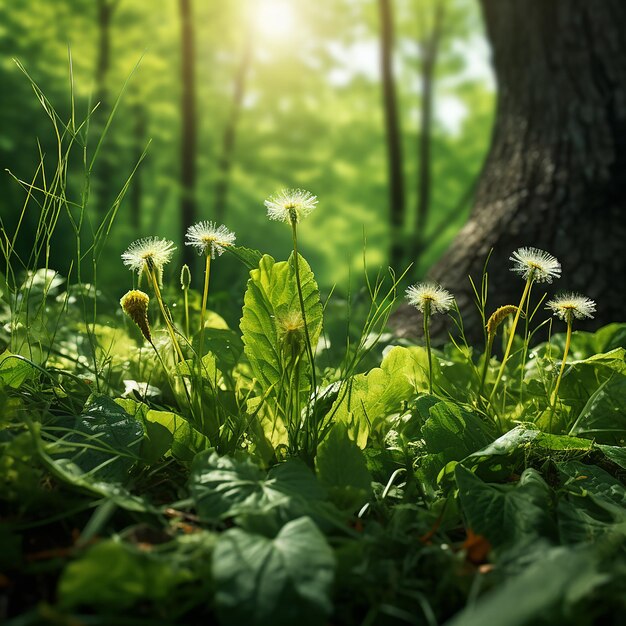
x=189, y=127
x=105, y=12
x=430, y=49
x=139, y=140
x=397, y=205
x=230, y=132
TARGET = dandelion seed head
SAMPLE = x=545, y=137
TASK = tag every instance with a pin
x=135, y=304
x=541, y=265
x=290, y=205
x=572, y=305
x=148, y=254
x=209, y=238
x=429, y=296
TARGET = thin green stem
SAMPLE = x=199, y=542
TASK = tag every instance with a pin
x=205, y=295
x=428, y=348
x=186, y=297
x=307, y=337
x=168, y=324
x=555, y=393
x=507, y=352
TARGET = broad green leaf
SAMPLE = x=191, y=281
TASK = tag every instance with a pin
x=617, y=454
x=14, y=370
x=342, y=469
x=166, y=433
x=249, y=257
x=223, y=487
x=603, y=416
x=282, y=581
x=271, y=300
x=545, y=590
x=368, y=398
x=591, y=479
x=451, y=433
x=507, y=514
x=105, y=441
x=113, y=575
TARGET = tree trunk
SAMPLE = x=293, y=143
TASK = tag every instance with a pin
x=230, y=132
x=397, y=204
x=136, y=190
x=105, y=11
x=555, y=175
x=429, y=50
x=189, y=127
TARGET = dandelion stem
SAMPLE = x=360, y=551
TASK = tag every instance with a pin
x=428, y=348
x=205, y=295
x=487, y=358
x=186, y=297
x=168, y=324
x=555, y=393
x=509, y=345
x=301, y=298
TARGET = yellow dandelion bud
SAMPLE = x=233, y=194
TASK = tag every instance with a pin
x=135, y=305
x=497, y=317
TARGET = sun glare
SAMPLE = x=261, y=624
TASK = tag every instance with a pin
x=275, y=18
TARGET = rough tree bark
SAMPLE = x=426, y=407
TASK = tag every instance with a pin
x=188, y=146
x=555, y=175
x=397, y=208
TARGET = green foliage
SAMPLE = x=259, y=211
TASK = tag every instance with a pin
x=284, y=580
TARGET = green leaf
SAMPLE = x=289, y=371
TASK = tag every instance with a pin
x=223, y=487
x=113, y=575
x=549, y=587
x=271, y=297
x=249, y=257
x=166, y=433
x=367, y=399
x=617, y=454
x=282, y=581
x=14, y=370
x=342, y=469
x=106, y=440
x=507, y=515
x=603, y=416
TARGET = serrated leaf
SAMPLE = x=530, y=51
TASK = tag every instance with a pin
x=272, y=296
x=368, y=398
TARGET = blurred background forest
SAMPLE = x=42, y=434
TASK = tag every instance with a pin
x=382, y=108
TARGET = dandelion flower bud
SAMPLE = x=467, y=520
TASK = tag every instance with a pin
x=185, y=277
x=135, y=305
x=497, y=317
x=290, y=205
x=541, y=265
x=429, y=296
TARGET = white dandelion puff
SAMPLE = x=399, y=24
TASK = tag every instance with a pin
x=431, y=296
x=150, y=253
x=209, y=238
x=541, y=265
x=290, y=205
x=572, y=305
